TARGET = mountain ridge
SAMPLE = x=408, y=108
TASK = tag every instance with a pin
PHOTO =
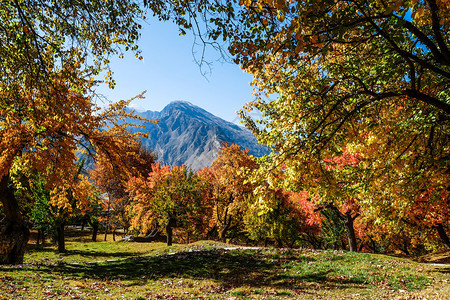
x=188, y=134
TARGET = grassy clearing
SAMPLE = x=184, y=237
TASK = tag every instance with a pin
x=205, y=270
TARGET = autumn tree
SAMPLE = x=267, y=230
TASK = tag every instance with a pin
x=417, y=227
x=66, y=123
x=48, y=56
x=229, y=188
x=29, y=189
x=47, y=140
x=170, y=197
x=35, y=198
x=286, y=217
x=112, y=180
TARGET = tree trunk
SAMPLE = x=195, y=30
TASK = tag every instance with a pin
x=38, y=238
x=222, y=235
x=60, y=238
x=373, y=245
x=94, y=230
x=13, y=232
x=83, y=223
x=292, y=242
x=348, y=223
x=443, y=235
x=107, y=218
x=226, y=226
x=171, y=222
x=279, y=243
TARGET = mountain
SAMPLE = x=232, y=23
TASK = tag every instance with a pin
x=187, y=134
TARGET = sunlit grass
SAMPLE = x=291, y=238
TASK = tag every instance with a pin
x=204, y=270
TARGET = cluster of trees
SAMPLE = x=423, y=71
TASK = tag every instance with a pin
x=213, y=203
x=226, y=201
x=355, y=104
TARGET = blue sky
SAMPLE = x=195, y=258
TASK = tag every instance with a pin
x=168, y=72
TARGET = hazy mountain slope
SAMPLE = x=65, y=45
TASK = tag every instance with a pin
x=188, y=134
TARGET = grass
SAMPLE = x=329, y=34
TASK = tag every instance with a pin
x=205, y=270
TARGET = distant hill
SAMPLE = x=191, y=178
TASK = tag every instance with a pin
x=187, y=134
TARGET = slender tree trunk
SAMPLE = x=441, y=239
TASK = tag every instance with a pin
x=223, y=232
x=292, y=243
x=361, y=246
x=171, y=222
x=42, y=237
x=107, y=218
x=443, y=235
x=38, y=238
x=83, y=223
x=373, y=245
x=94, y=230
x=13, y=232
x=226, y=226
x=60, y=238
x=348, y=223
x=404, y=248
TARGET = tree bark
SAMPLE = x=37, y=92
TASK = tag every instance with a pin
x=60, y=238
x=226, y=226
x=348, y=223
x=38, y=238
x=223, y=232
x=279, y=243
x=373, y=245
x=94, y=230
x=443, y=235
x=171, y=222
x=13, y=232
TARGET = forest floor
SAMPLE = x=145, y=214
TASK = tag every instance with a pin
x=211, y=270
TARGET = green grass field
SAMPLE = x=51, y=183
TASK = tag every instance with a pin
x=208, y=270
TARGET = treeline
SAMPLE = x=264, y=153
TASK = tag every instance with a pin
x=225, y=202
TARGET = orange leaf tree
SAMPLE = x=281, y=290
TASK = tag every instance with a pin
x=46, y=110
x=229, y=188
x=136, y=161
x=170, y=197
x=38, y=204
x=45, y=133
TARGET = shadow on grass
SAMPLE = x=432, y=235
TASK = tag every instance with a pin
x=231, y=269
x=96, y=253
x=83, y=253
x=441, y=269
x=256, y=269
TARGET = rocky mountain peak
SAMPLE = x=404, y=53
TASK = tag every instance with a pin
x=188, y=134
